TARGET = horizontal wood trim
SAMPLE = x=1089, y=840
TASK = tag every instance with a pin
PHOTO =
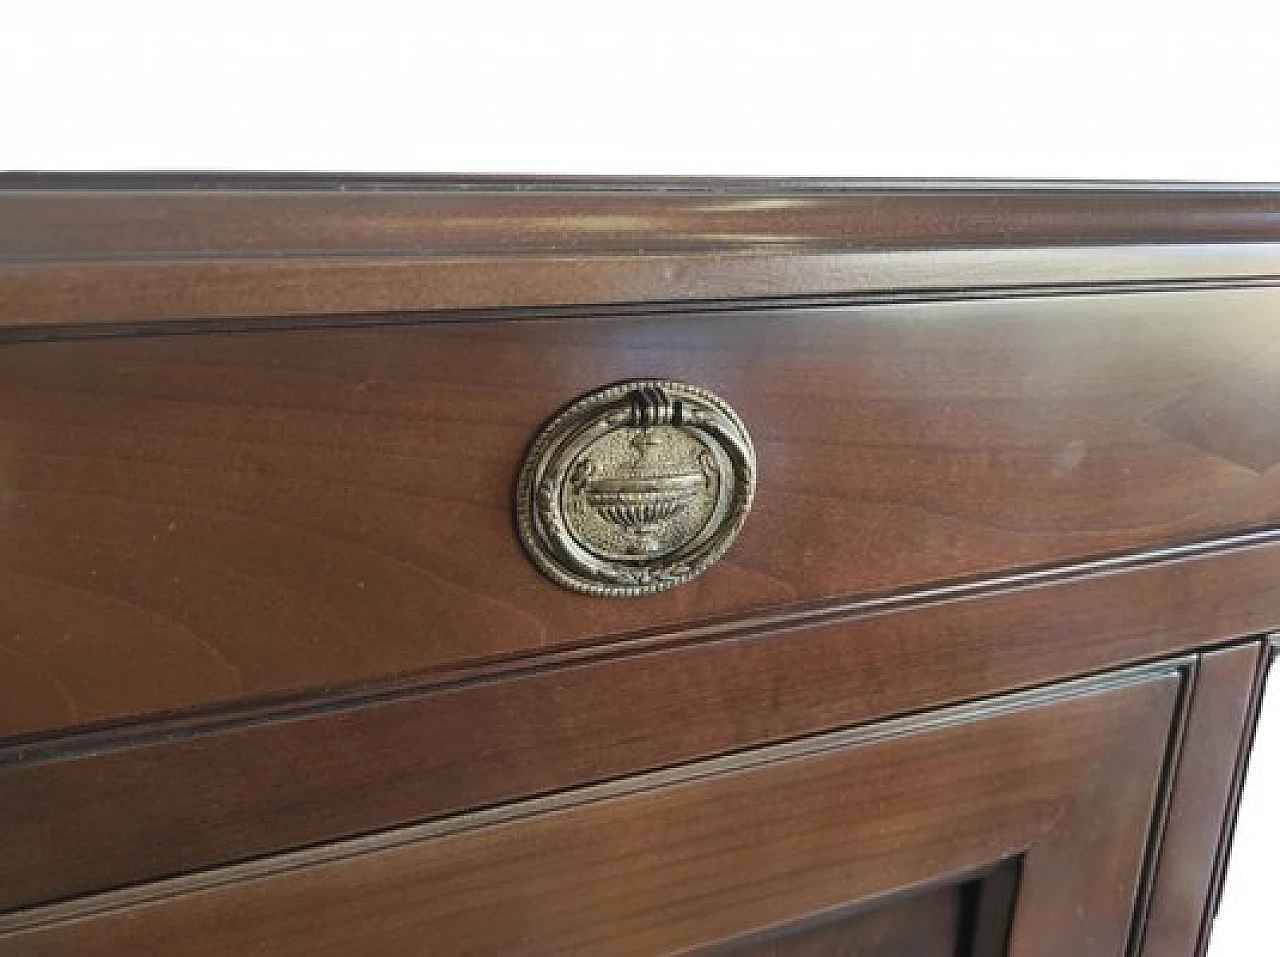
x=265, y=290
x=105, y=810
x=922, y=923
x=204, y=180
x=42, y=224
x=191, y=249
x=1109, y=733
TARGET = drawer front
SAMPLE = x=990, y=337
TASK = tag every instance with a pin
x=189, y=520
x=88, y=813
x=1009, y=811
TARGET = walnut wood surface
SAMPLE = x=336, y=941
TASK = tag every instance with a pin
x=69, y=218
x=1066, y=780
x=110, y=297
x=927, y=924
x=195, y=519
x=140, y=249
x=276, y=678
x=1223, y=707
x=104, y=810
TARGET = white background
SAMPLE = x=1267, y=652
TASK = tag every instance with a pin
x=1084, y=90
x=1246, y=921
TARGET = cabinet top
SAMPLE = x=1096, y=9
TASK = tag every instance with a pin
x=132, y=247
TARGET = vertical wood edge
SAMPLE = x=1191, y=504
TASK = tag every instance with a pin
x=1164, y=804
x=1200, y=792
x=1269, y=651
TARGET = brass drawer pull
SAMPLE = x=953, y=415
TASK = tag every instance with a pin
x=636, y=487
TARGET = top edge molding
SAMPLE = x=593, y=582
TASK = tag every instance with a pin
x=93, y=248
x=321, y=181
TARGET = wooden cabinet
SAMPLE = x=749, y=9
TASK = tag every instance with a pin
x=977, y=676
x=1033, y=808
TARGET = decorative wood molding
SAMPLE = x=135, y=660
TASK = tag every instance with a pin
x=136, y=249
x=950, y=717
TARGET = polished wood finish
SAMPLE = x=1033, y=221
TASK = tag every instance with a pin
x=100, y=810
x=74, y=217
x=961, y=919
x=927, y=924
x=1065, y=780
x=1205, y=784
x=158, y=249
x=979, y=676
x=117, y=298
x=259, y=514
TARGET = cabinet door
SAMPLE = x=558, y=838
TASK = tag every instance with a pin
x=1015, y=825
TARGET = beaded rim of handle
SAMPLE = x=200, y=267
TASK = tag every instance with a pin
x=558, y=473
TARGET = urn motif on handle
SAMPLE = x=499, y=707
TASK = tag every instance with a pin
x=635, y=488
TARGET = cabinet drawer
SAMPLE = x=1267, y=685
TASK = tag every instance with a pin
x=953, y=511
x=1023, y=817
x=190, y=520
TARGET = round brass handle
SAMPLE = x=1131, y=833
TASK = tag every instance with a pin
x=636, y=487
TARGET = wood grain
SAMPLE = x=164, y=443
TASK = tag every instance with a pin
x=926, y=924
x=80, y=299
x=1067, y=783
x=96, y=811
x=276, y=678
x=66, y=218
x=199, y=519
x=1204, y=793
x=87, y=250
